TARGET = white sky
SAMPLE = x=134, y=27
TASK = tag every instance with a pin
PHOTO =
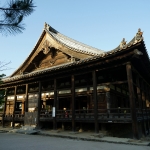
x=99, y=23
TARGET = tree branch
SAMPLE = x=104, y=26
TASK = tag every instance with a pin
x=18, y=9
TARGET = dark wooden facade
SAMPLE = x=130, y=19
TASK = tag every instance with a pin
x=66, y=82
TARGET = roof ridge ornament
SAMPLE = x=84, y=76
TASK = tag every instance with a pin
x=123, y=44
x=47, y=26
x=138, y=36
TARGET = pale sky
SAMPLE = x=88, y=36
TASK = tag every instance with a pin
x=98, y=23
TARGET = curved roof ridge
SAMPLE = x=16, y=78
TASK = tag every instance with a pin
x=71, y=43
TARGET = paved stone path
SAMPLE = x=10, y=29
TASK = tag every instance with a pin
x=15, y=141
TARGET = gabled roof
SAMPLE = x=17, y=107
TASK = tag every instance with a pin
x=72, y=44
x=76, y=47
x=122, y=47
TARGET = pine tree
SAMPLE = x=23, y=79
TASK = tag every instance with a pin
x=12, y=15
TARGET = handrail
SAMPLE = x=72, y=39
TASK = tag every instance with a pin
x=118, y=113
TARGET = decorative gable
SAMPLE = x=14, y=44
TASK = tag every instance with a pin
x=53, y=57
x=52, y=49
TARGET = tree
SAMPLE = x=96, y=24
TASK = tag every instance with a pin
x=13, y=14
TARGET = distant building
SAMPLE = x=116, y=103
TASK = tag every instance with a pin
x=64, y=83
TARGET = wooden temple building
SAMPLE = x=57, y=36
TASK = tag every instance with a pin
x=65, y=82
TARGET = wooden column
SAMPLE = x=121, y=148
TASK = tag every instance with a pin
x=55, y=104
x=22, y=112
x=5, y=105
x=108, y=101
x=26, y=98
x=88, y=94
x=15, y=99
x=139, y=94
x=39, y=105
x=95, y=101
x=148, y=98
x=73, y=101
x=143, y=105
x=149, y=106
x=132, y=102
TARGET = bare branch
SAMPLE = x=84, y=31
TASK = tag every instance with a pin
x=4, y=66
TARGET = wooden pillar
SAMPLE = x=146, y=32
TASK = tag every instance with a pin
x=146, y=98
x=88, y=94
x=55, y=104
x=22, y=112
x=95, y=102
x=26, y=98
x=143, y=105
x=132, y=102
x=148, y=115
x=149, y=107
x=139, y=94
x=39, y=105
x=15, y=99
x=108, y=101
x=5, y=105
x=26, y=102
x=73, y=101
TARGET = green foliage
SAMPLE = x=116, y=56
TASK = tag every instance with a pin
x=13, y=14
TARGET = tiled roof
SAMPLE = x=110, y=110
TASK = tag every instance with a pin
x=66, y=41
x=72, y=44
x=123, y=46
x=67, y=65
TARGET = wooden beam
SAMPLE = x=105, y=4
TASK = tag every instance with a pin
x=73, y=101
x=95, y=101
x=77, y=69
x=132, y=101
